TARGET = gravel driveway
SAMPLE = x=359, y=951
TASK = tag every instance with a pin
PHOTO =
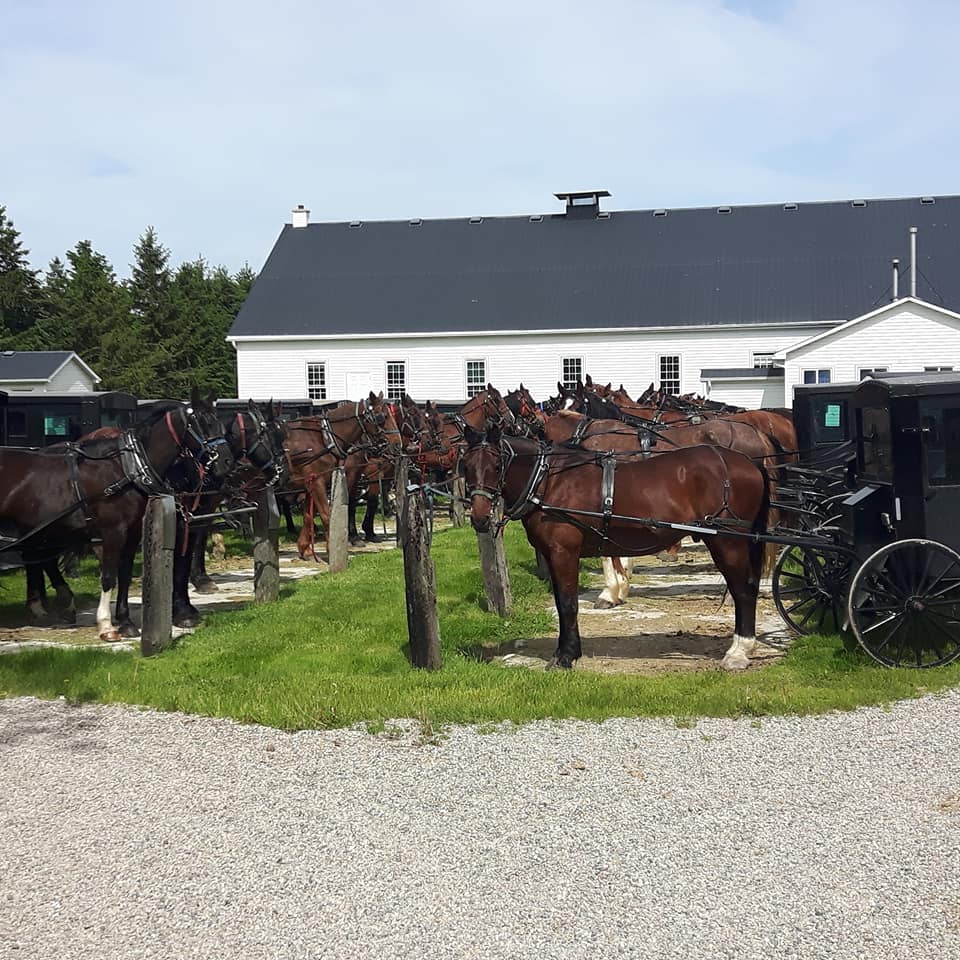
x=129, y=834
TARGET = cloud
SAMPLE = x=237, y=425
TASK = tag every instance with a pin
x=211, y=120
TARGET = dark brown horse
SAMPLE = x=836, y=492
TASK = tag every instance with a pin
x=577, y=503
x=315, y=446
x=65, y=496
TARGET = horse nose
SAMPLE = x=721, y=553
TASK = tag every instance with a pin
x=480, y=524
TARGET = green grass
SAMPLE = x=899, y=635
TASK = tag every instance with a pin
x=333, y=652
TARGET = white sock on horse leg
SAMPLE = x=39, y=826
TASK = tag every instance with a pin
x=738, y=656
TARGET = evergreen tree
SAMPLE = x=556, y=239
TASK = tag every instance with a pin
x=21, y=296
x=52, y=331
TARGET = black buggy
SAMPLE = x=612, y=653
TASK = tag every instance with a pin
x=875, y=502
x=42, y=419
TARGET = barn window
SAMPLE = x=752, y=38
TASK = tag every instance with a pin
x=396, y=379
x=816, y=376
x=870, y=371
x=670, y=374
x=762, y=360
x=317, y=381
x=572, y=372
x=476, y=377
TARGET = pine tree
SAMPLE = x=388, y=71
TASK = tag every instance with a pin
x=21, y=297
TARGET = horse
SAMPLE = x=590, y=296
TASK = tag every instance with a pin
x=94, y=489
x=259, y=460
x=315, y=446
x=579, y=503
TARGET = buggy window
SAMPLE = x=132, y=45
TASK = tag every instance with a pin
x=829, y=421
x=16, y=424
x=941, y=439
x=875, y=443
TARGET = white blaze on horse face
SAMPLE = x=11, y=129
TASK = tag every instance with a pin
x=738, y=656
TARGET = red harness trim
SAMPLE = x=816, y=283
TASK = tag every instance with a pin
x=243, y=433
x=173, y=433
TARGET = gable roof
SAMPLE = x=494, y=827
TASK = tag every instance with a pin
x=32, y=365
x=763, y=264
x=844, y=328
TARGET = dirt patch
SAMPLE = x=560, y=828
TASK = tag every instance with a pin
x=677, y=618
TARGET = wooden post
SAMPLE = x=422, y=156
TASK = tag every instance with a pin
x=493, y=563
x=159, y=539
x=266, y=548
x=459, y=496
x=419, y=575
x=338, y=534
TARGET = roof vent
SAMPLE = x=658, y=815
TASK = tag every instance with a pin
x=660, y=213
x=582, y=204
x=476, y=219
x=9, y=353
x=536, y=218
x=791, y=206
x=724, y=210
x=858, y=203
x=928, y=199
x=415, y=222
x=356, y=223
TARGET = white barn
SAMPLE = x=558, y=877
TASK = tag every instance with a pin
x=45, y=371
x=739, y=303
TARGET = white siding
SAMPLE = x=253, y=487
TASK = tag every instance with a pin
x=436, y=366
x=748, y=393
x=908, y=338
x=72, y=378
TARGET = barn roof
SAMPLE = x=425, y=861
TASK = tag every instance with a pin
x=762, y=264
x=34, y=365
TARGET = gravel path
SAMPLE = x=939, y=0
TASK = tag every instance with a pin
x=127, y=834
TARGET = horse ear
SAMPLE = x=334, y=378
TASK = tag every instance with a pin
x=521, y=385
x=608, y=386
x=194, y=396
x=589, y=380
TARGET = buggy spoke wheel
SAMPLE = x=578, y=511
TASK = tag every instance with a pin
x=904, y=604
x=808, y=588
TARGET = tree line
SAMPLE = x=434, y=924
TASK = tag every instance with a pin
x=156, y=334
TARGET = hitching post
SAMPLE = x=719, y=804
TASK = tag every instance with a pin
x=266, y=548
x=338, y=534
x=493, y=563
x=420, y=580
x=159, y=538
x=459, y=496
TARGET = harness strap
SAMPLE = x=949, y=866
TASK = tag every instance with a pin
x=609, y=465
x=243, y=433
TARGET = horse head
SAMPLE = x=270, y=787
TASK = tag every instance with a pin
x=378, y=418
x=481, y=469
x=487, y=408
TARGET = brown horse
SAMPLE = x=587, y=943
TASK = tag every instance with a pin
x=315, y=446
x=577, y=503
x=67, y=495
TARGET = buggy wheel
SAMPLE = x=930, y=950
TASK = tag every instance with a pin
x=808, y=587
x=904, y=604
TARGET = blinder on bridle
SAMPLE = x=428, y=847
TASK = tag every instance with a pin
x=260, y=452
x=211, y=452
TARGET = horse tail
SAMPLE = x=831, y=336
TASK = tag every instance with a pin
x=768, y=517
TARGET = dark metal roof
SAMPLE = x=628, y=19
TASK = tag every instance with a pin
x=742, y=373
x=873, y=391
x=31, y=364
x=773, y=263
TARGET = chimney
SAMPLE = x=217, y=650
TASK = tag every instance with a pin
x=301, y=216
x=896, y=280
x=584, y=204
x=913, y=261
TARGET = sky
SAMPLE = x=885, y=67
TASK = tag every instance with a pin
x=209, y=120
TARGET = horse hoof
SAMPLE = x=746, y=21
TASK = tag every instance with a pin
x=67, y=616
x=559, y=664
x=129, y=630
x=735, y=664
x=110, y=636
x=357, y=541
x=189, y=617
x=206, y=586
x=373, y=538
x=602, y=605
x=667, y=558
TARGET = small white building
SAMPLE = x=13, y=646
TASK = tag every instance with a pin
x=45, y=371
x=739, y=303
